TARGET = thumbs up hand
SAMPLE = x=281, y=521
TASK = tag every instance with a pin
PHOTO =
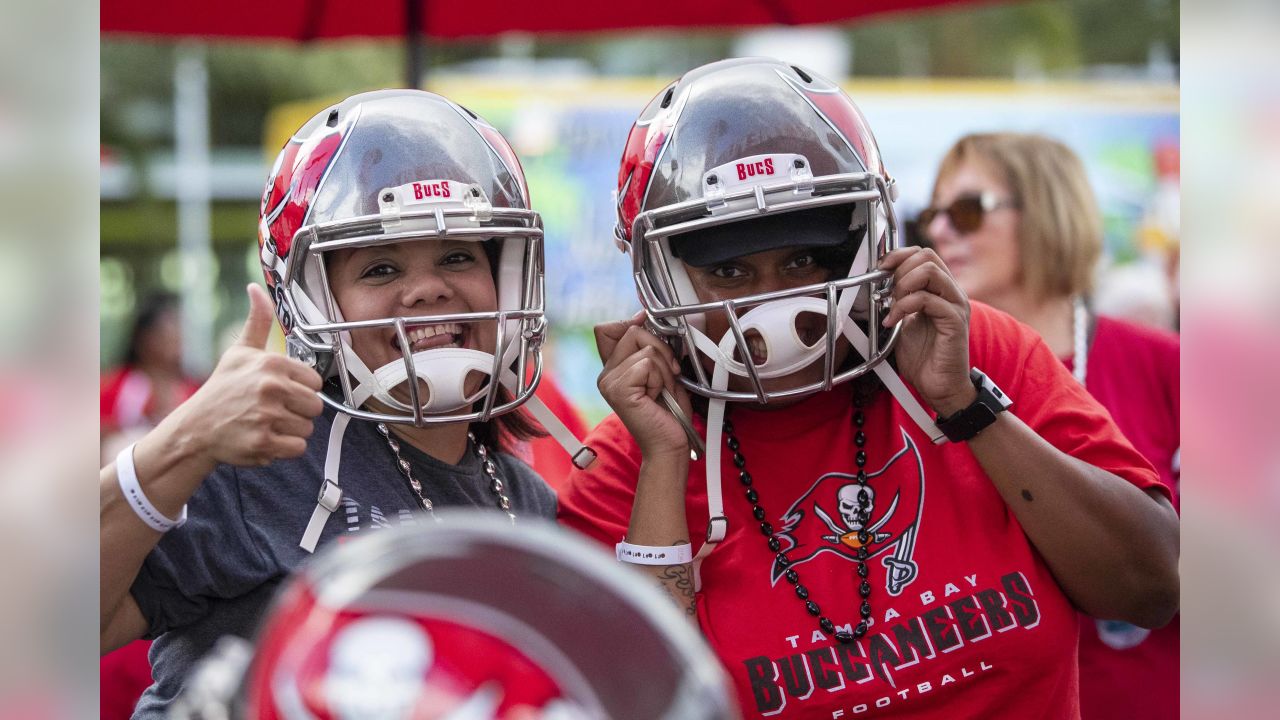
x=257, y=327
x=257, y=406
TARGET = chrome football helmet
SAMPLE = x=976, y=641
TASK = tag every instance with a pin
x=397, y=166
x=466, y=619
x=709, y=168
x=742, y=156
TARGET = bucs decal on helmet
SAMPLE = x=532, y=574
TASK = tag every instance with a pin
x=277, y=189
x=377, y=667
x=825, y=518
x=296, y=177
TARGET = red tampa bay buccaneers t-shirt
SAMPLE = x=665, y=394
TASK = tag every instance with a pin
x=968, y=621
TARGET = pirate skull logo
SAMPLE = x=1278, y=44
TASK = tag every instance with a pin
x=376, y=668
x=856, y=504
x=859, y=522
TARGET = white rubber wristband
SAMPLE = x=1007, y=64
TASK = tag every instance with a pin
x=648, y=555
x=128, y=477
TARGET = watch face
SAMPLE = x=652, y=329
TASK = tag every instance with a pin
x=981, y=382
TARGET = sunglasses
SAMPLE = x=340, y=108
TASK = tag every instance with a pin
x=966, y=212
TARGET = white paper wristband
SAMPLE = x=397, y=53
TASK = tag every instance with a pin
x=128, y=477
x=648, y=555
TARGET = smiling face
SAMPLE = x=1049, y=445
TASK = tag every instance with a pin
x=986, y=262
x=412, y=279
x=763, y=272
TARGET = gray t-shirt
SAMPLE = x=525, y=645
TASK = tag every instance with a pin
x=217, y=574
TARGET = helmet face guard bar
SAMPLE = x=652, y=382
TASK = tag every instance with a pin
x=780, y=196
x=522, y=328
x=670, y=317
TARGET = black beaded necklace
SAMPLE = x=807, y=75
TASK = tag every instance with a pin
x=775, y=546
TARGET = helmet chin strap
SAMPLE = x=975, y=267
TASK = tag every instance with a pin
x=896, y=387
x=580, y=453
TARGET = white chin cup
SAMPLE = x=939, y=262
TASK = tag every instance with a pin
x=776, y=323
x=444, y=370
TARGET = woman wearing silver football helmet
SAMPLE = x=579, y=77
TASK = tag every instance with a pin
x=405, y=265
x=856, y=550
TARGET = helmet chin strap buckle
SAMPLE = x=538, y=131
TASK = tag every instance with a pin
x=584, y=457
x=299, y=351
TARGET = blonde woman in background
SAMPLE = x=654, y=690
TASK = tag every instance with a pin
x=1017, y=224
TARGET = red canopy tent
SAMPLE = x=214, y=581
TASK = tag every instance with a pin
x=306, y=20
x=317, y=19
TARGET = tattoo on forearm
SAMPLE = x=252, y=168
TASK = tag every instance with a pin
x=679, y=583
x=678, y=579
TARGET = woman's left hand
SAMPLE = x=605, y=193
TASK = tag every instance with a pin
x=933, y=350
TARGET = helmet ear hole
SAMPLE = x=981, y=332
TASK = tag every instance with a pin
x=333, y=118
x=666, y=99
x=803, y=75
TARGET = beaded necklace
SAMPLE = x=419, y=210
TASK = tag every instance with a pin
x=863, y=516
x=490, y=468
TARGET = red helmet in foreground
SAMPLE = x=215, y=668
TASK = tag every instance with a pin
x=469, y=618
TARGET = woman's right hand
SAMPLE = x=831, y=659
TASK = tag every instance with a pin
x=638, y=366
x=258, y=405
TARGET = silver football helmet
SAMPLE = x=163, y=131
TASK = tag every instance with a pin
x=398, y=166
x=746, y=155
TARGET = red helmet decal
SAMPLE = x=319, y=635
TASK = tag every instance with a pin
x=351, y=663
x=278, y=183
x=644, y=144
x=841, y=113
x=297, y=181
x=637, y=169
x=500, y=146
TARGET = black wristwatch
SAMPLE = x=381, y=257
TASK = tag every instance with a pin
x=967, y=423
